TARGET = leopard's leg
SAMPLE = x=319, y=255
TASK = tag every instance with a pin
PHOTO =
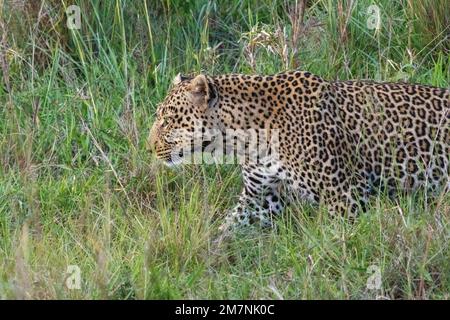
x=350, y=202
x=259, y=201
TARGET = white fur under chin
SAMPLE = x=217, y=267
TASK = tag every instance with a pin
x=173, y=162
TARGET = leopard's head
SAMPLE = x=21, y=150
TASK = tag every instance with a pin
x=187, y=110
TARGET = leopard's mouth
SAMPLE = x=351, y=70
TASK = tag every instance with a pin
x=174, y=158
x=182, y=155
x=169, y=157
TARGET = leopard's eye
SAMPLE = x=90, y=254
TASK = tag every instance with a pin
x=165, y=123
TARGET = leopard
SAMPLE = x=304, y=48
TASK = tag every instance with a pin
x=338, y=141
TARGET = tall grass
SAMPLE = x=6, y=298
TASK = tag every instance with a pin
x=78, y=187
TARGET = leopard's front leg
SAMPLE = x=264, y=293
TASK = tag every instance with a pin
x=259, y=201
x=352, y=200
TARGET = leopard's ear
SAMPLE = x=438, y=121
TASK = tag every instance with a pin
x=203, y=91
x=179, y=78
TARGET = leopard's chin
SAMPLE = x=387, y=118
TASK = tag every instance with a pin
x=170, y=163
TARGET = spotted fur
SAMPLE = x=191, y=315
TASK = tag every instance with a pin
x=339, y=140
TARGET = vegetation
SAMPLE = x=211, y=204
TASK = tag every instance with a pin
x=78, y=186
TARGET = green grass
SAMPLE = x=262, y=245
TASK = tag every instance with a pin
x=78, y=187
